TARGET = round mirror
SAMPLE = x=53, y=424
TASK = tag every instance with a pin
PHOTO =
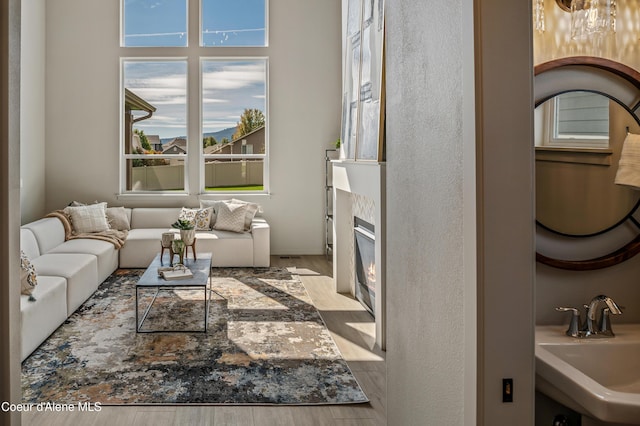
x=578, y=138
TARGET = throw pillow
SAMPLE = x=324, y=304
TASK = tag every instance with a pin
x=252, y=210
x=118, y=219
x=28, y=277
x=200, y=218
x=87, y=219
x=231, y=217
x=214, y=204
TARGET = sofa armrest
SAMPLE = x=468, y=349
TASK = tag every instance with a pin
x=261, y=242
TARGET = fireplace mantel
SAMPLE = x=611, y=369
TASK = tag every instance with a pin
x=365, y=179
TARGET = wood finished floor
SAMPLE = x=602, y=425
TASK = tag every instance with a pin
x=353, y=331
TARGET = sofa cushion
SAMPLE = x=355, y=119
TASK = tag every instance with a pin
x=28, y=243
x=40, y=319
x=105, y=252
x=161, y=217
x=228, y=249
x=141, y=246
x=80, y=271
x=49, y=233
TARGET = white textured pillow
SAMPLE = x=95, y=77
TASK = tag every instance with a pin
x=231, y=217
x=252, y=209
x=200, y=218
x=91, y=218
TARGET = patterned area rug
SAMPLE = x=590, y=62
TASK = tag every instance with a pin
x=266, y=344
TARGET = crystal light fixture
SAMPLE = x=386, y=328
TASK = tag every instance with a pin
x=538, y=15
x=592, y=18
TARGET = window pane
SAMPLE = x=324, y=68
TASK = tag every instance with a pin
x=582, y=115
x=237, y=174
x=234, y=23
x=155, y=112
x=155, y=174
x=155, y=23
x=233, y=123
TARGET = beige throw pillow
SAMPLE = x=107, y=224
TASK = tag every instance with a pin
x=118, y=218
x=231, y=217
x=87, y=219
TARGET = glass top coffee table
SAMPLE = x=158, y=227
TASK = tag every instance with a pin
x=201, y=269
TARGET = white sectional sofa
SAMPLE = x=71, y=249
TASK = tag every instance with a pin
x=228, y=248
x=69, y=272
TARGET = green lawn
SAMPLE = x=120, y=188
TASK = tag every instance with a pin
x=236, y=188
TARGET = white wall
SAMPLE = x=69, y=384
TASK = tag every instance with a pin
x=32, y=117
x=82, y=112
x=9, y=213
x=432, y=151
x=425, y=279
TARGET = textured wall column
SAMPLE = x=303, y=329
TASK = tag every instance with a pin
x=9, y=201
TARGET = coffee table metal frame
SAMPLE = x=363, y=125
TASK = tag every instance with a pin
x=201, y=269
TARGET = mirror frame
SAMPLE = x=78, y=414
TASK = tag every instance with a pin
x=627, y=216
x=629, y=82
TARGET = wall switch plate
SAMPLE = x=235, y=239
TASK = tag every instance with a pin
x=507, y=390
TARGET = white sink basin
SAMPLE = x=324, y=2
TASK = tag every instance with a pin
x=597, y=377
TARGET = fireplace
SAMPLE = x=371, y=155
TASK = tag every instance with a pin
x=365, y=263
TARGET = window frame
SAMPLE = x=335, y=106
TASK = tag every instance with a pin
x=552, y=140
x=124, y=157
x=265, y=157
x=193, y=53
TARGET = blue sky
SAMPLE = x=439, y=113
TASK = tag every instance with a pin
x=228, y=87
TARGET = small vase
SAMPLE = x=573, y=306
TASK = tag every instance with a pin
x=188, y=236
x=177, y=247
x=167, y=239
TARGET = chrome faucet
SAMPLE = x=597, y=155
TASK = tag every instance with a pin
x=588, y=326
x=588, y=329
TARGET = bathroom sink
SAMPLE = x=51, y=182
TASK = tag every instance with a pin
x=597, y=377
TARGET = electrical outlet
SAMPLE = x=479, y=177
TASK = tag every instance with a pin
x=507, y=390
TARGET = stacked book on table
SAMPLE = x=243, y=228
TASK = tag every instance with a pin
x=174, y=274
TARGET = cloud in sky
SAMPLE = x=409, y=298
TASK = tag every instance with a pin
x=229, y=87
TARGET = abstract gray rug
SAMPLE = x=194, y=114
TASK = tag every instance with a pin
x=266, y=344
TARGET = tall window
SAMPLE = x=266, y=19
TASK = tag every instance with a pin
x=155, y=120
x=233, y=123
x=159, y=146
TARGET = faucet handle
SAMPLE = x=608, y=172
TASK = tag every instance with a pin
x=605, y=321
x=574, y=325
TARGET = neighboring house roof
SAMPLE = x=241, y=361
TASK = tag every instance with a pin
x=133, y=102
x=219, y=147
x=178, y=144
x=154, y=140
